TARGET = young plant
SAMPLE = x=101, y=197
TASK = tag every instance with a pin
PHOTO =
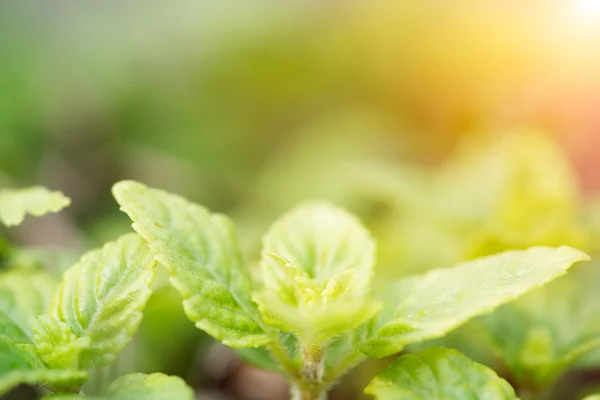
x=315, y=311
x=52, y=333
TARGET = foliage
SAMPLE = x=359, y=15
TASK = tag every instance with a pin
x=316, y=259
x=250, y=108
x=436, y=374
x=140, y=387
x=312, y=305
x=505, y=192
x=52, y=334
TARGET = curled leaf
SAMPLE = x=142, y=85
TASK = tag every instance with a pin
x=317, y=264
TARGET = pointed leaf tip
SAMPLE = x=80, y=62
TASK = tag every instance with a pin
x=427, y=306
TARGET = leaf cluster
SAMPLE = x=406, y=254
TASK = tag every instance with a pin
x=52, y=333
x=312, y=305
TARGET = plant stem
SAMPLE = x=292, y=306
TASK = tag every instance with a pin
x=312, y=359
x=311, y=385
x=305, y=393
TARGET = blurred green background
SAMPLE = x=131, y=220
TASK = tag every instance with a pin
x=453, y=129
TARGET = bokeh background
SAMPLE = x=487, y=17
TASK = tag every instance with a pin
x=250, y=107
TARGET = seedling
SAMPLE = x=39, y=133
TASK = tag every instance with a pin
x=314, y=308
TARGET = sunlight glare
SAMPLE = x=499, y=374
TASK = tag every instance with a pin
x=587, y=8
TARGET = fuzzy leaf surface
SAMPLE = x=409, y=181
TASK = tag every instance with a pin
x=317, y=264
x=202, y=254
x=101, y=297
x=438, y=374
x=140, y=387
x=36, y=201
x=427, y=306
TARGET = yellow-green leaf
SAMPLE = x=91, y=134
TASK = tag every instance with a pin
x=23, y=294
x=323, y=240
x=317, y=264
x=546, y=331
x=37, y=201
x=101, y=297
x=428, y=306
x=202, y=254
x=438, y=374
x=56, y=379
x=140, y=387
x=56, y=344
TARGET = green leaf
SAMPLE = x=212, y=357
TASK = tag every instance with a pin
x=56, y=344
x=100, y=299
x=24, y=294
x=547, y=330
x=498, y=192
x=521, y=192
x=55, y=379
x=202, y=254
x=52, y=260
x=438, y=374
x=317, y=264
x=140, y=386
x=324, y=241
x=426, y=307
x=593, y=397
x=312, y=310
x=37, y=201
